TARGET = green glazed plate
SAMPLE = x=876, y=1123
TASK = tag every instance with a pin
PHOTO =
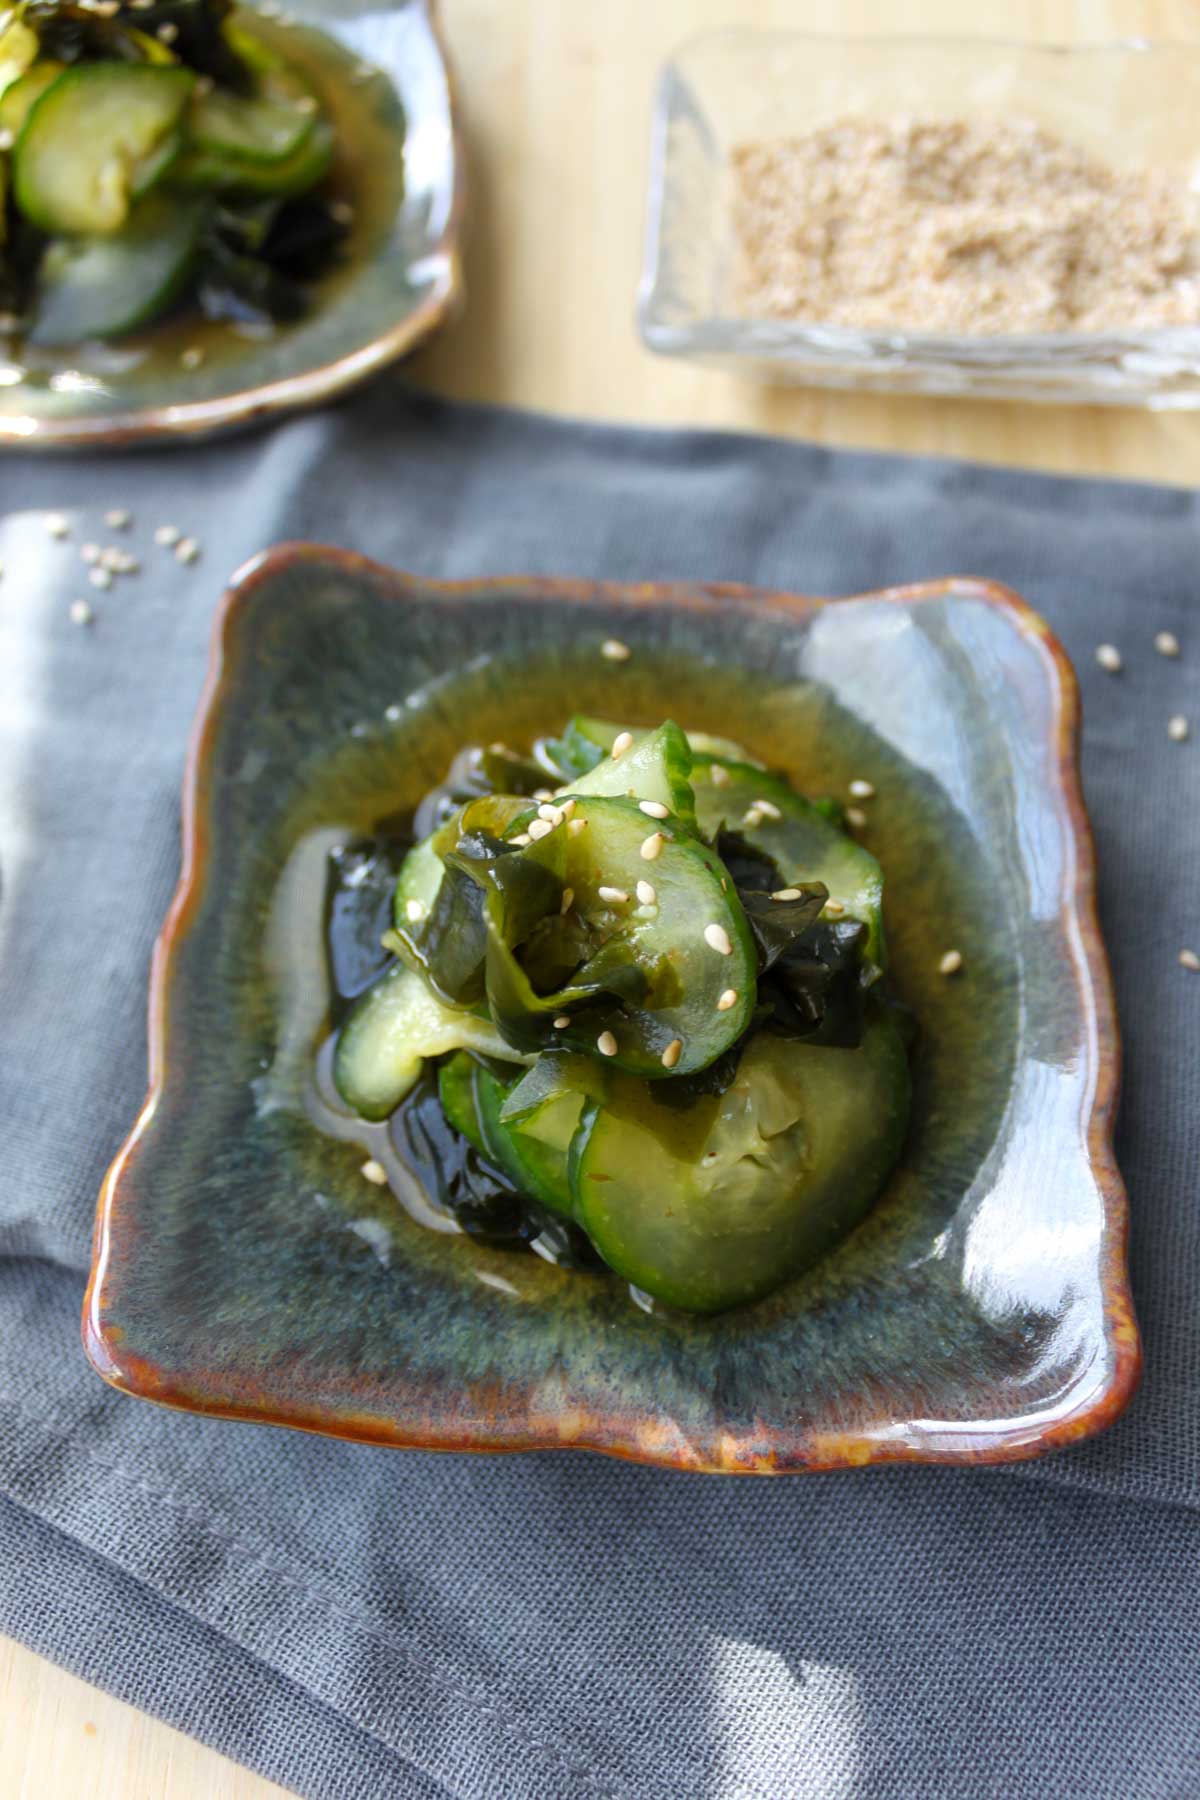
x=245, y=1267
x=383, y=76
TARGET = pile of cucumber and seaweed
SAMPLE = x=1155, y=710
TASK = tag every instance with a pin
x=153, y=154
x=633, y=1008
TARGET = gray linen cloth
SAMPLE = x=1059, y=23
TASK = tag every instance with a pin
x=361, y=1622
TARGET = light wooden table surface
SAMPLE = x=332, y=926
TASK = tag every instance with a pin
x=556, y=96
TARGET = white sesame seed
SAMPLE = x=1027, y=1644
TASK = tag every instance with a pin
x=101, y=578
x=1109, y=657
x=498, y=748
x=652, y=846
x=752, y=818
x=568, y=901
x=567, y=807
x=613, y=896
x=543, y=794
x=118, y=518
x=414, y=912
x=192, y=356
x=575, y=826
x=728, y=999
x=621, y=743
x=1178, y=729
x=7, y=140
x=719, y=775
x=1166, y=643
x=341, y=212
x=834, y=908
x=553, y=815
x=768, y=809
x=654, y=809
x=89, y=553
x=307, y=103
x=672, y=1053
x=717, y=938
x=606, y=1044
x=128, y=565
x=167, y=536
x=614, y=650
x=862, y=790
x=539, y=828
x=111, y=558
x=522, y=838
x=786, y=894
x=187, y=550
x=81, y=613
x=56, y=525
x=166, y=34
x=1189, y=959
x=562, y=1021
x=374, y=1171
x=646, y=894
x=856, y=816
x=951, y=963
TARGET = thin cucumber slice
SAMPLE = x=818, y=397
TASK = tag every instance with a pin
x=585, y=741
x=802, y=840
x=417, y=884
x=84, y=147
x=392, y=1029
x=17, y=101
x=248, y=127
x=456, y=1091
x=717, y=1206
x=210, y=171
x=654, y=769
x=536, y=1167
x=99, y=287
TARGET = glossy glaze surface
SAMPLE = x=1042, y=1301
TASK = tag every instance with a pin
x=981, y=1312
x=384, y=82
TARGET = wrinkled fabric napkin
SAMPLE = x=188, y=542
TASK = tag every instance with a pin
x=359, y=1622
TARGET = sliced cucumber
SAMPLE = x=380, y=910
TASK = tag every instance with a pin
x=716, y=1206
x=212, y=171
x=390, y=1032
x=417, y=884
x=536, y=1165
x=87, y=141
x=17, y=101
x=802, y=840
x=654, y=769
x=456, y=1091
x=248, y=127
x=99, y=287
x=586, y=741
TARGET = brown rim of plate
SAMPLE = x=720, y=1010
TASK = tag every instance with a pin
x=810, y=1451
x=233, y=412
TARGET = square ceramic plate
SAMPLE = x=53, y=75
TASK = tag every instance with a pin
x=244, y=1266
x=382, y=73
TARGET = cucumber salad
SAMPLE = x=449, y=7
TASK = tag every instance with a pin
x=630, y=1009
x=154, y=153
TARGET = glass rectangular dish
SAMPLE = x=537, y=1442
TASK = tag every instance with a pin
x=1131, y=103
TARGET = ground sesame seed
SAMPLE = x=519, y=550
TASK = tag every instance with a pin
x=1178, y=729
x=1166, y=643
x=614, y=650
x=717, y=938
x=101, y=578
x=522, y=838
x=646, y=894
x=856, y=816
x=56, y=525
x=728, y=998
x=562, y=1021
x=89, y=553
x=652, y=845
x=672, y=1053
x=118, y=518
x=834, y=908
x=654, y=809
x=166, y=34
x=413, y=911
x=539, y=828
x=167, y=536
x=606, y=1044
x=862, y=790
x=568, y=900
x=81, y=613
x=951, y=963
x=719, y=775
x=621, y=743
x=613, y=896
x=575, y=826
x=187, y=550
x=1189, y=959
x=374, y=1171
x=768, y=809
x=1109, y=657
x=192, y=356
